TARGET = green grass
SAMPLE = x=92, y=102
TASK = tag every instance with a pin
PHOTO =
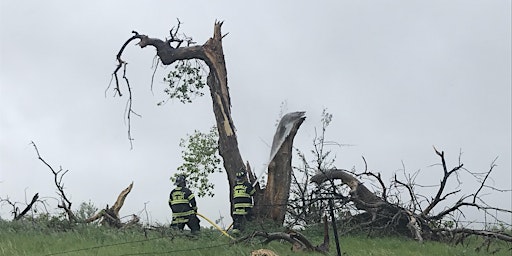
x=360, y=245
x=26, y=238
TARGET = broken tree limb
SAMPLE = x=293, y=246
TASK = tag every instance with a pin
x=29, y=206
x=120, y=199
x=358, y=191
x=299, y=242
x=110, y=215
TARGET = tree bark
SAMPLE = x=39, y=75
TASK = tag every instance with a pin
x=110, y=215
x=275, y=196
x=218, y=83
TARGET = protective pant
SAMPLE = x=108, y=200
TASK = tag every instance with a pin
x=239, y=220
x=192, y=223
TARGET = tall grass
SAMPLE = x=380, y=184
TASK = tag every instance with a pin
x=29, y=238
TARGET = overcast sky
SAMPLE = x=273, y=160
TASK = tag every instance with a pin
x=398, y=76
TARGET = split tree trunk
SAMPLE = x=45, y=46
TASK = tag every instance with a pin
x=212, y=54
x=277, y=191
x=110, y=215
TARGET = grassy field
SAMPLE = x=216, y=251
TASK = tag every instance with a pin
x=31, y=239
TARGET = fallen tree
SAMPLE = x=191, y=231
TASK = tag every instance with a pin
x=412, y=218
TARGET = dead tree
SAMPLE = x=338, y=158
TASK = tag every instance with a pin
x=211, y=52
x=413, y=218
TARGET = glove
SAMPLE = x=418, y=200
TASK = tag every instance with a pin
x=195, y=209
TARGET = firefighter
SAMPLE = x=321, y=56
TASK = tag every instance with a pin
x=242, y=200
x=183, y=206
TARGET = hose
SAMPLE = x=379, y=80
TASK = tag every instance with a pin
x=215, y=225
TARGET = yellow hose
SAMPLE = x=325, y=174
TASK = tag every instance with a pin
x=215, y=225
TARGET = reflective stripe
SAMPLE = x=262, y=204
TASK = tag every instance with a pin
x=240, y=190
x=180, y=201
x=242, y=198
x=182, y=214
x=177, y=197
x=243, y=205
x=179, y=220
x=240, y=211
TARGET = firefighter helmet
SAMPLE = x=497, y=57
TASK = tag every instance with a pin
x=240, y=175
x=180, y=180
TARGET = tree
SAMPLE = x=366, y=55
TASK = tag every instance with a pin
x=171, y=51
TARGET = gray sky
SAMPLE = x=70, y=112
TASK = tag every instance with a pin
x=398, y=76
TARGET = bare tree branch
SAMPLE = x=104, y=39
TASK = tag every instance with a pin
x=440, y=191
x=57, y=178
x=376, y=176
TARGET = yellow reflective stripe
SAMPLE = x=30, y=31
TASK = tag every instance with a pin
x=190, y=197
x=240, y=212
x=243, y=205
x=179, y=220
x=182, y=214
x=180, y=201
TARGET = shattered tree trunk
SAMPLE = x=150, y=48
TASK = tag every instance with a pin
x=277, y=191
x=212, y=54
x=110, y=215
x=218, y=83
